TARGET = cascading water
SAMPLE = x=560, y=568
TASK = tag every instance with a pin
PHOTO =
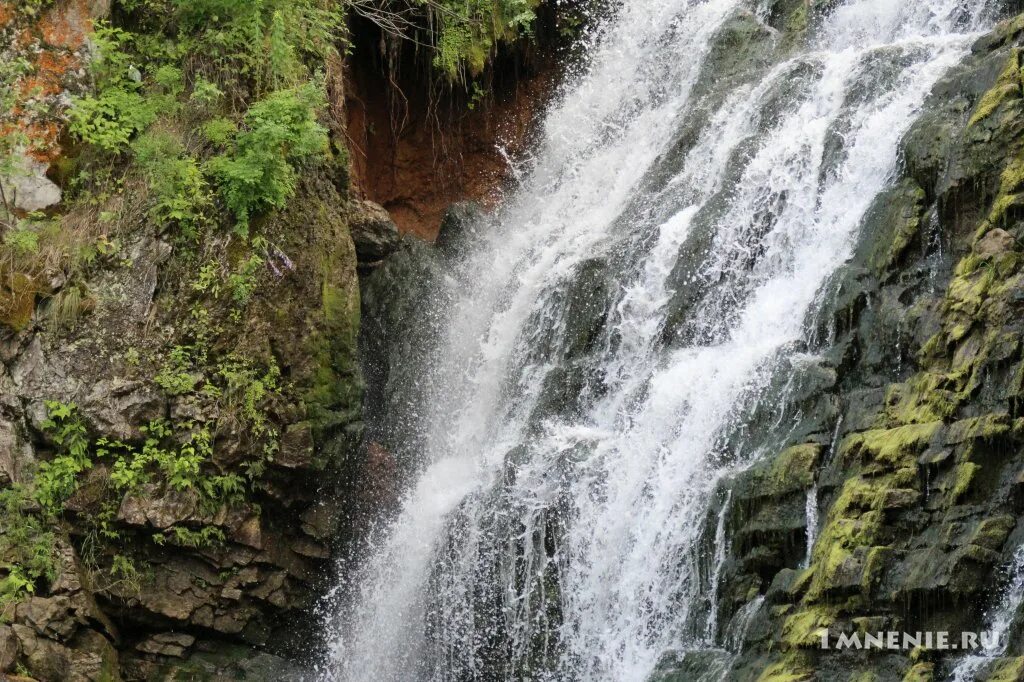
x=609, y=337
x=998, y=622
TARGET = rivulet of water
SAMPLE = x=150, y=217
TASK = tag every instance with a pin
x=626, y=307
x=998, y=621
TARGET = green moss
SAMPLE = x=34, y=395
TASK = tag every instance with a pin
x=792, y=470
x=1007, y=670
x=925, y=398
x=991, y=533
x=963, y=476
x=784, y=672
x=1008, y=86
x=1010, y=182
x=873, y=565
x=334, y=350
x=901, y=222
x=920, y=672
x=967, y=291
x=802, y=629
x=17, y=300
x=891, y=446
x=799, y=20
x=988, y=426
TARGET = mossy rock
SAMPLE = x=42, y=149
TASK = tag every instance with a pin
x=1007, y=670
x=920, y=672
x=322, y=298
x=894, y=223
x=791, y=471
x=17, y=300
x=891, y=447
x=992, y=532
x=1008, y=86
x=803, y=628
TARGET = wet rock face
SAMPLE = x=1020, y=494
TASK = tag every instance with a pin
x=914, y=480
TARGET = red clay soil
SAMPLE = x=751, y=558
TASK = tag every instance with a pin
x=416, y=153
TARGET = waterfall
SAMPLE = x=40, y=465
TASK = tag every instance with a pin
x=606, y=340
x=998, y=620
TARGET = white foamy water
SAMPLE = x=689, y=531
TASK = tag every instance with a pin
x=566, y=545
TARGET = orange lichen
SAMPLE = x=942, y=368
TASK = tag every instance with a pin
x=43, y=137
x=61, y=34
x=50, y=69
x=66, y=25
x=6, y=14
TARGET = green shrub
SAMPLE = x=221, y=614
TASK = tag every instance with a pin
x=26, y=549
x=23, y=240
x=267, y=42
x=467, y=31
x=118, y=110
x=175, y=376
x=258, y=171
x=181, y=195
x=220, y=131
x=57, y=479
x=110, y=119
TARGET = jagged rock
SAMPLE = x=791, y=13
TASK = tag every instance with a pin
x=119, y=406
x=51, y=617
x=209, y=660
x=320, y=521
x=308, y=548
x=458, y=230
x=9, y=648
x=159, y=510
x=173, y=644
x=373, y=231
x=47, y=660
x=15, y=452
x=90, y=657
x=994, y=242
x=296, y=447
x=248, y=531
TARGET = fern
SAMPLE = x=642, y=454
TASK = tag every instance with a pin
x=258, y=172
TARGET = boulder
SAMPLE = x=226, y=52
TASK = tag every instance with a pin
x=30, y=188
x=373, y=232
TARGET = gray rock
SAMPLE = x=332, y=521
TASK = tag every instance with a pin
x=9, y=648
x=459, y=228
x=119, y=406
x=373, y=232
x=994, y=242
x=296, y=447
x=173, y=644
x=31, y=189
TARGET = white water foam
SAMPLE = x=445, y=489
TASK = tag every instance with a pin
x=610, y=499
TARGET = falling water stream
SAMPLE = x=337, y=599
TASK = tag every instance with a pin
x=608, y=337
x=998, y=621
